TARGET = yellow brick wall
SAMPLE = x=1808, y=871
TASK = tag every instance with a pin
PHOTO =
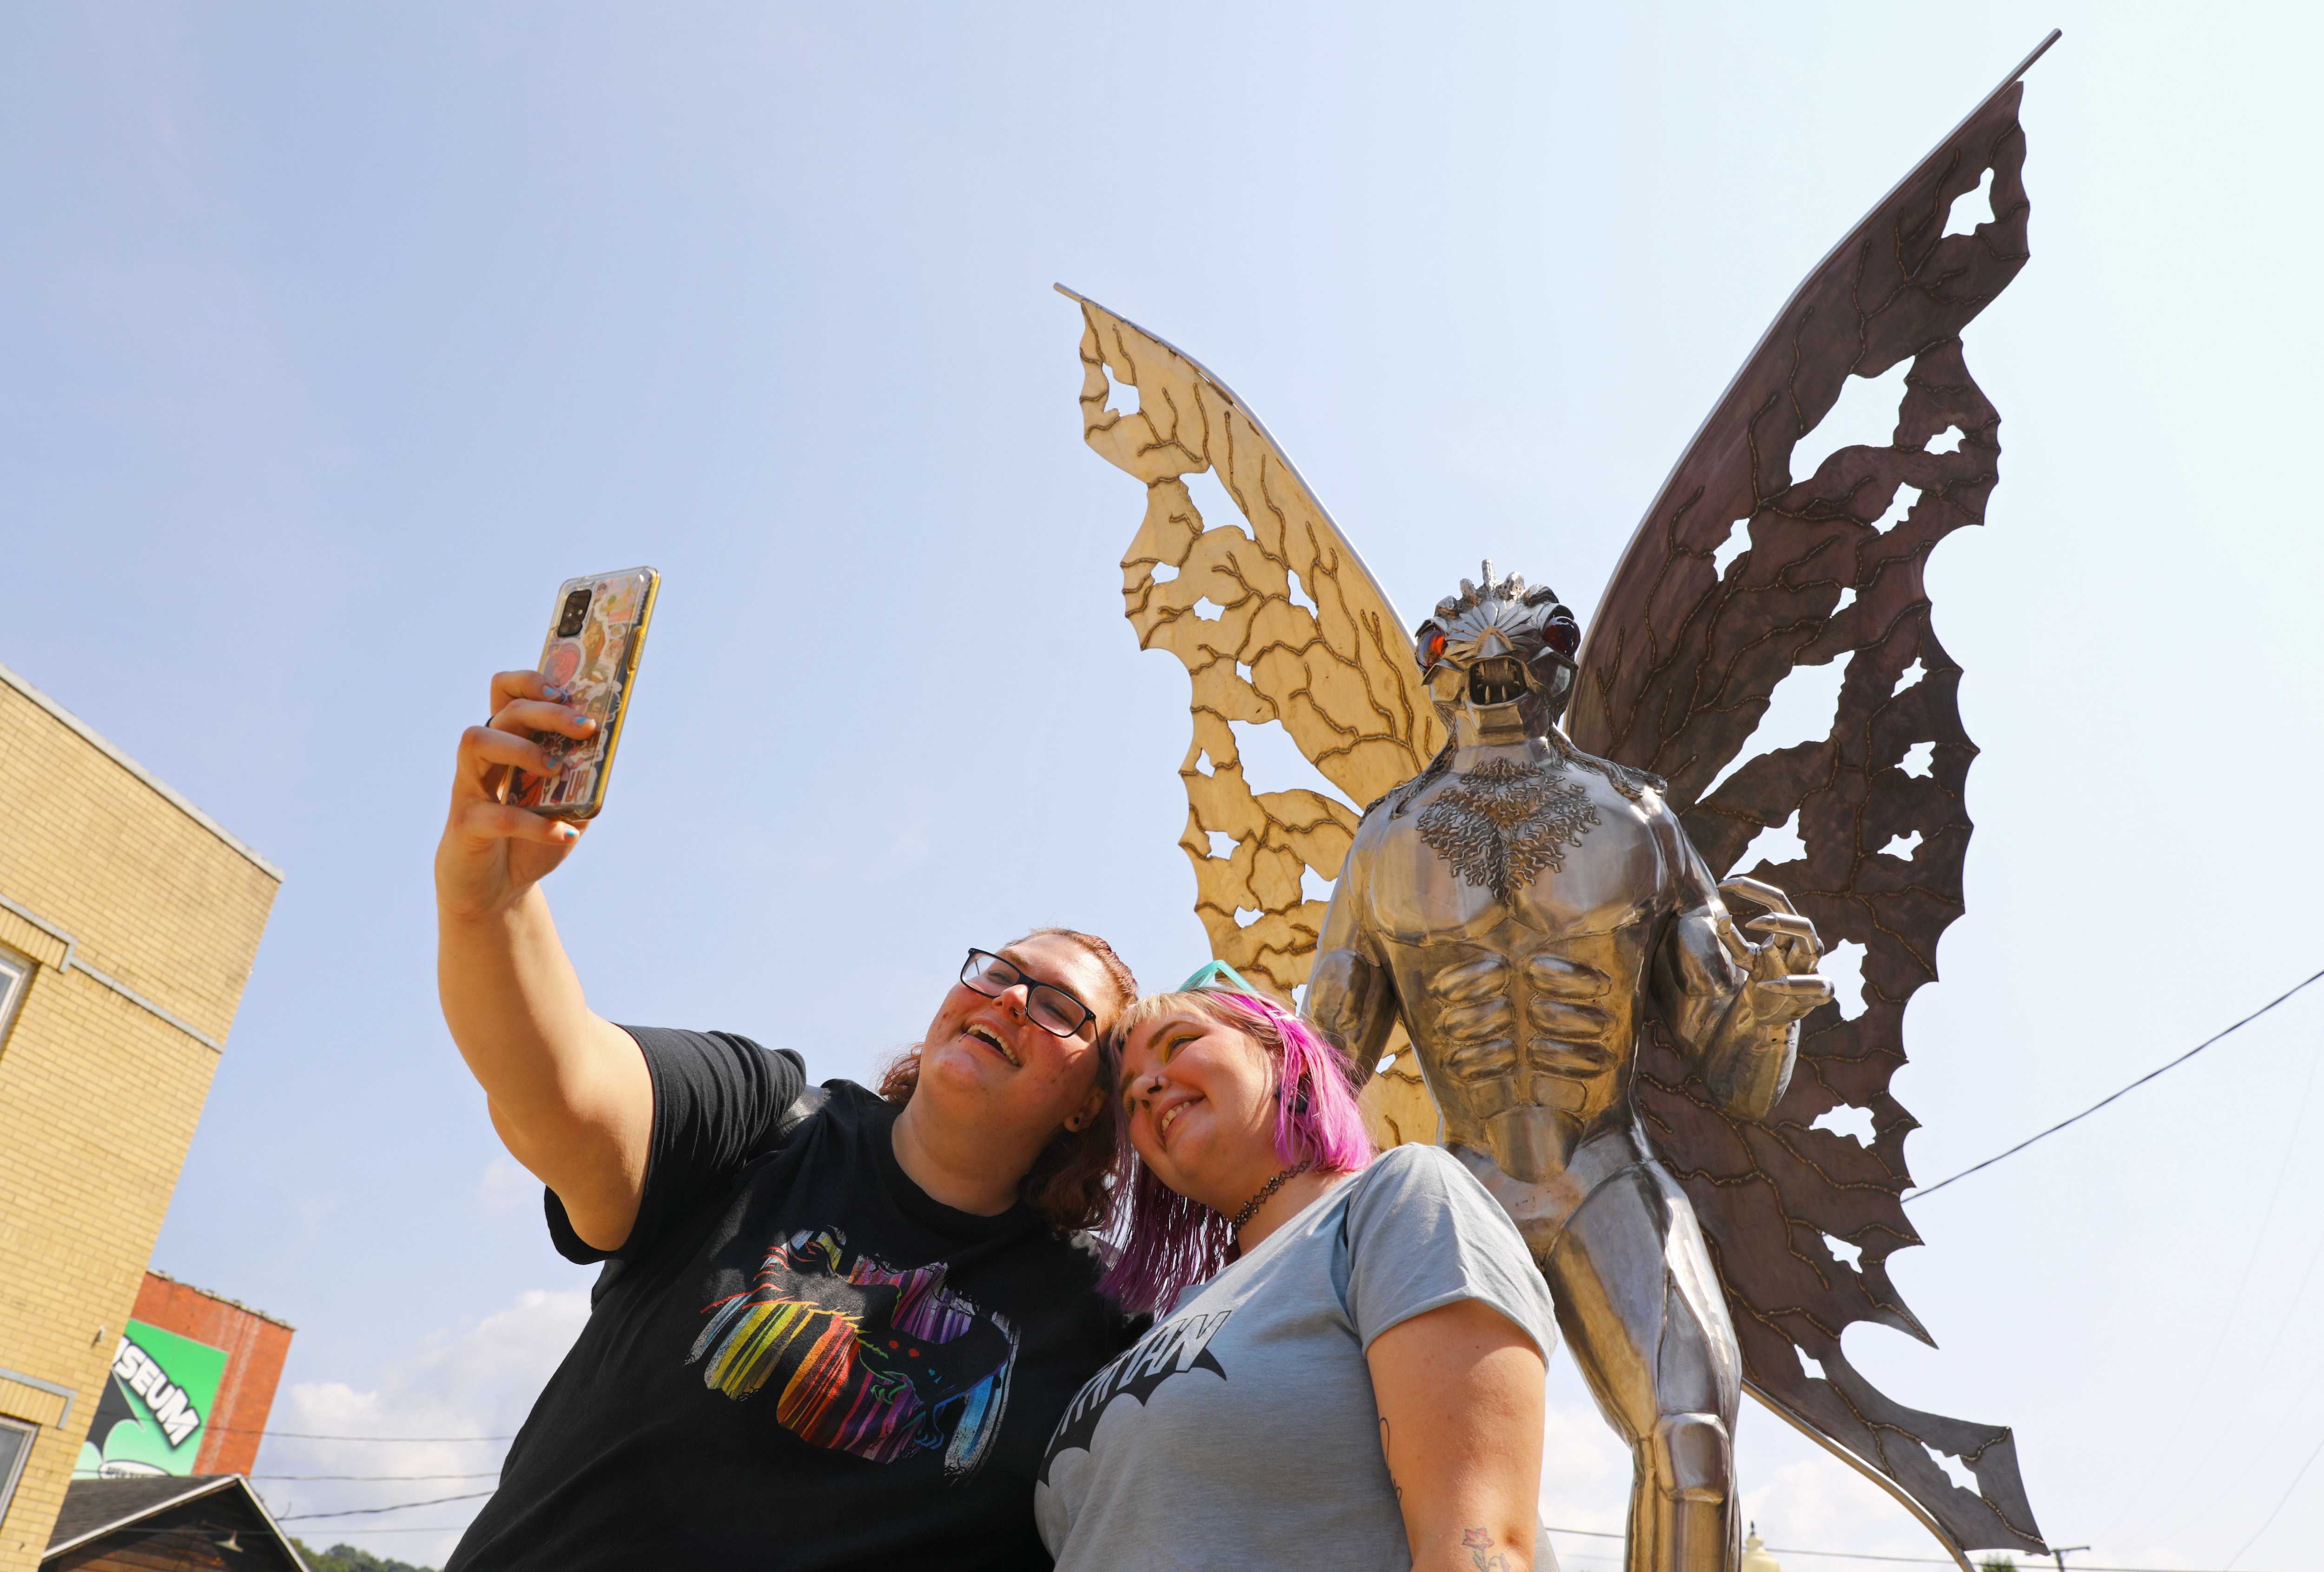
x=98, y=1095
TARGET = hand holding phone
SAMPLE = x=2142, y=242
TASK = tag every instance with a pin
x=590, y=662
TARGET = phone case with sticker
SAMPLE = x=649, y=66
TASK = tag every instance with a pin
x=594, y=639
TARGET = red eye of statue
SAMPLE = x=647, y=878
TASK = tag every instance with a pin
x=1432, y=649
x=1562, y=637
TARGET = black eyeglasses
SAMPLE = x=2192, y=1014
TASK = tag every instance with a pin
x=1047, y=1006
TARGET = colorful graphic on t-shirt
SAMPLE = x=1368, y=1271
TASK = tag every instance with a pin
x=863, y=1359
x=1177, y=1346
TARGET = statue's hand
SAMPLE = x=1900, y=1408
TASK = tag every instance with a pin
x=1783, y=985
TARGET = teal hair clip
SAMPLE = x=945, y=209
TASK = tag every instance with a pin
x=1217, y=974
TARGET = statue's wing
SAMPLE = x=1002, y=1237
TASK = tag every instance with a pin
x=1277, y=622
x=1687, y=648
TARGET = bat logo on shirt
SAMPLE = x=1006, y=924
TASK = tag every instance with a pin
x=1177, y=1346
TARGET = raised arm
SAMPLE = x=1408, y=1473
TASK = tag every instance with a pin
x=1351, y=993
x=1733, y=1005
x=567, y=1090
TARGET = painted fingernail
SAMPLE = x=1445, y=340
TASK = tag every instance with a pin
x=568, y=833
x=555, y=691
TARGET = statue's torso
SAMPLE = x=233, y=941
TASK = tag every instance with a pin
x=1523, y=1009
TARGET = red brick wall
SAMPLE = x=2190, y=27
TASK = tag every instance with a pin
x=255, y=1345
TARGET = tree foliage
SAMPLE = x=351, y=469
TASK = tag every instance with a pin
x=347, y=1559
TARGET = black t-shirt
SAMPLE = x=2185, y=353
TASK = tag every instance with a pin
x=798, y=1359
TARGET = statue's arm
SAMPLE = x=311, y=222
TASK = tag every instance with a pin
x=1733, y=1005
x=1351, y=992
x=1703, y=993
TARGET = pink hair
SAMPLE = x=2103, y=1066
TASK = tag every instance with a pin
x=1170, y=1241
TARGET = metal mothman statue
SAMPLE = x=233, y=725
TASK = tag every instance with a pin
x=1528, y=947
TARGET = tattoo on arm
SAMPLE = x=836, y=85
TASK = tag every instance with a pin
x=1392, y=1467
x=1481, y=1554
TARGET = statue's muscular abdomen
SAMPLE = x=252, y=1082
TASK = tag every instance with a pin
x=1524, y=1012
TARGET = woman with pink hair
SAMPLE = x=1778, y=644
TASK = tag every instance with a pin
x=1345, y=1368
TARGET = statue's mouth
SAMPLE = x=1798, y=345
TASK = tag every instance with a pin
x=1497, y=681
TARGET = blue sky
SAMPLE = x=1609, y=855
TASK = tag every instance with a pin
x=332, y=338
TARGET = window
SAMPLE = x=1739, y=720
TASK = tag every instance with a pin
x=15, y=1444
x=14, y=972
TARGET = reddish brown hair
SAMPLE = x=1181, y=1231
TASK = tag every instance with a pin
x=1071, y=1184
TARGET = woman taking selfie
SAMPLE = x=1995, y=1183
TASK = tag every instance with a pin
x=834, y=1327
x=1347, y=1365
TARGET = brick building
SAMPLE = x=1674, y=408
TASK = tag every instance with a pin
x=254, y=1346
x=128, y=923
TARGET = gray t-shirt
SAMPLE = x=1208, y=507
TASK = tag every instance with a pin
x=1241, y=1430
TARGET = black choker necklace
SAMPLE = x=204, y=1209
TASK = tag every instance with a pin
x=1250, y=1209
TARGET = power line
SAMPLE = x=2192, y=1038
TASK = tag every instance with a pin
x=1924, y=1191
x=2298, y=1407
x=372, y=1511
x=1926, y=1561
x=1919, y=1194
x=384, y=1478
x=2267, y=1362
x=2218, y=1343
x=1585, y=1533
x=310, y=1436
x=2278, y=1507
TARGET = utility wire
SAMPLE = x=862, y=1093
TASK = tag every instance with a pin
x=2187, y=1476
x=1925, y=1191
x=1922, y=1560
x=372, y=1511
x=2278, y=1507
x=382, y=1478
x=2297, y=1409
x=310, y=1436
x=1585, y=1533
x=1921, y=1193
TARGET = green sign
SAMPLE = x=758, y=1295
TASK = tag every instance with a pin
x=156, y=1405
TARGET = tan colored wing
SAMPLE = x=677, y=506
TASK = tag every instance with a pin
x=1297, y=632
x=1396, y=1102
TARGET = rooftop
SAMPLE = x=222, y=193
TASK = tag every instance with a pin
x=148, y=777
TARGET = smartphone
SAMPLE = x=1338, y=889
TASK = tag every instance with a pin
x=595, y=639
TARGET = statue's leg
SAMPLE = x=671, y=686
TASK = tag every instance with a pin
x=1641, y=1311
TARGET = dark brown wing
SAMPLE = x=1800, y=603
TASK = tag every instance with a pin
x=1677, y=672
